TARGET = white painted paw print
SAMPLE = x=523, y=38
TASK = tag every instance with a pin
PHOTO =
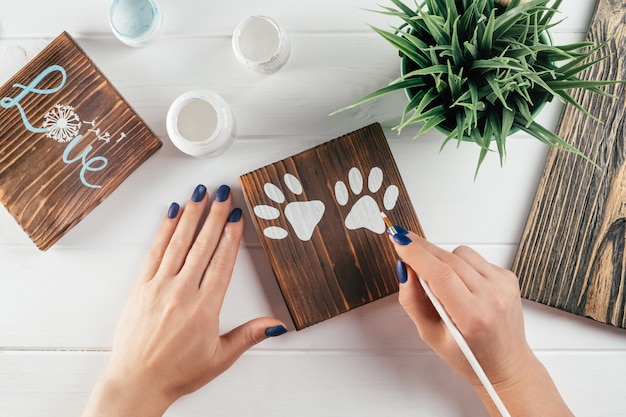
x=303, y=216
x=365, y=213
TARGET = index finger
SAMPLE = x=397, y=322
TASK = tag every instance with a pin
x=441, y=277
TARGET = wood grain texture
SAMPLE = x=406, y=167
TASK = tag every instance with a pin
x=47, y=182
x=341, y=266
x=571, y=254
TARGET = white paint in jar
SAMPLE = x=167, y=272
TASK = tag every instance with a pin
x=261, y=44
x=197, y=120
x=200, y=123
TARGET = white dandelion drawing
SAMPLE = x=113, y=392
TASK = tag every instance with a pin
x=106, y=136
x=62, y=123
x=122, y=136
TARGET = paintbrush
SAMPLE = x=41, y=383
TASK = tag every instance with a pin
x=456, y=334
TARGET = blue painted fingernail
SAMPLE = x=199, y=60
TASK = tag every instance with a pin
x=222, y=193
x=172, y=212
x=275, y=331
x=198, y=193
x=401, y=271
x=402, y=240
x=235, y=215
x=401, y=230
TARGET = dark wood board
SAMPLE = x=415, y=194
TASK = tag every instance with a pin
x=67, y=140
x=571, y=255
x=326, y=242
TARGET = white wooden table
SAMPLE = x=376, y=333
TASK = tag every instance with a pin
x=58, y=309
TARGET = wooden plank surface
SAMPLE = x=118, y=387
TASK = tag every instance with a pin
x=281, y=384
x=317, y=214
x=67, y=140
x=571, y=254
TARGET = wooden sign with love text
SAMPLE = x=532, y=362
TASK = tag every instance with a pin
x=317, y=214
x=67, y=140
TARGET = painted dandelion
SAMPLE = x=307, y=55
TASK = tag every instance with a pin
x=62, y=123
x=106, y=136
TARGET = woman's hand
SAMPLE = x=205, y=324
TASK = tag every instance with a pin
x=168, y=342
x=483, y=300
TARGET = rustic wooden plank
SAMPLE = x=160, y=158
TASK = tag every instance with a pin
x=67, y=140
x=571, y=254
x=318, y=216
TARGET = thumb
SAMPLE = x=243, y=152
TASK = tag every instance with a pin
x=243, y=337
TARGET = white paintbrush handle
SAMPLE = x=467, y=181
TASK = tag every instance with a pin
x=460, y=340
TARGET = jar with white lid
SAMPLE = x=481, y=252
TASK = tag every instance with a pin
x=201, y=123
x=261, y=44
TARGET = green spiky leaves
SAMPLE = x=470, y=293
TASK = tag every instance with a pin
x=481, y=71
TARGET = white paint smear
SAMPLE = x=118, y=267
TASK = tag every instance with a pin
x=267, y=212
x=274, y=193
x=356, y=180
x=293, y=184
x=274, y=232
x=341, y=193
x=391, y=197
x=304, y=217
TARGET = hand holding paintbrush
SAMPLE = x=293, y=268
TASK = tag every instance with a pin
x=446, y=291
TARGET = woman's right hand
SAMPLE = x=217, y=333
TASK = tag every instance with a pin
x=483, y=300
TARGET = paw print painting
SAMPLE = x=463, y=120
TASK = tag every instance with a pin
x=365, y=213
x=302, y=216
x=317, y=214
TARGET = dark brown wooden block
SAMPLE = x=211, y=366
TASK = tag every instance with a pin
x=67, y=140
x=571, y=254
x=317, y=214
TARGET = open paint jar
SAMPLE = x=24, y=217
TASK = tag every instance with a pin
x=135, y=22
x=201, y=124
x=260, y=44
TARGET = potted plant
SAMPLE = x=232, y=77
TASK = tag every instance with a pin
x=479, y=70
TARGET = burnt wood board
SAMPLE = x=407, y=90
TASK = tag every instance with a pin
x=571, y=255
x=67, y=140
x=317, y=215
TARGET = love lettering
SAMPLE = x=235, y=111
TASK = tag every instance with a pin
x=94, y=164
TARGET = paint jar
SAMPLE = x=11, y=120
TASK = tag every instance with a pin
x=200, y=123
x=260, y=44
x=135, y=22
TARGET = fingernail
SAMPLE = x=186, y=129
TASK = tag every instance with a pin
x=235, y=215
x=401, y=271
x=222, y=193
x=275, y=331
x=401, y=239
x=198, y=193
x=401, y=230
x=172, y=212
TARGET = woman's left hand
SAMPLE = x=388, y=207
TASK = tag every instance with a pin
x=168, y=342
